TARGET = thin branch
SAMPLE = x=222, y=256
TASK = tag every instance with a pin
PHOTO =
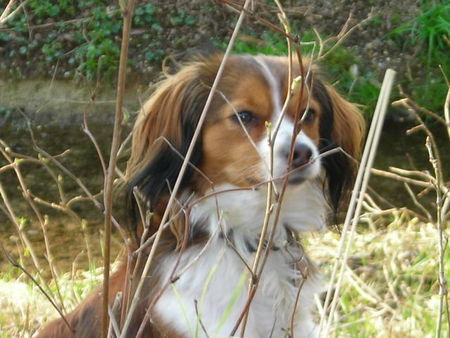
x=355, y=206
x=183, y=170
x=8, y=13
x=16, y=264
x=443, y=287
x=400, y=178
x=127, y=14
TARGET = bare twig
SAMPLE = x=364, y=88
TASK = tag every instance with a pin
x=41, y=219
x=343, y=34
x=183, y=170
x=8, y=13
x=91, y=197
x=22, y=235
x=443, y=289
x=355, y=208
x=16, y=264
x=417, y=203
x=127, y=14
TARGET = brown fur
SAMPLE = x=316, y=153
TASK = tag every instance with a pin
x=227, y=157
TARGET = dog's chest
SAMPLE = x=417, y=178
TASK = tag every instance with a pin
x=212, y=292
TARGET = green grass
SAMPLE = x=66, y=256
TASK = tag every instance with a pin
x=429, y=33
x=390, y=289
x=338, y=65
x=25, y=309
x=430, y=29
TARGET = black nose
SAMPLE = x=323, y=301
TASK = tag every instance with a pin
x=302, y=155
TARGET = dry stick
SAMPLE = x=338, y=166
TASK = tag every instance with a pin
x=7, y=167
x=172, y=278
x=443, y=291
x=447, y=112
x=113, y=330
x=131, y=276
x=127, y=14
x=304, y=276
x=271, y=188
x=366, y=165
x=283, y=189
x=89, y=195
x=345, y=31
x=182, y=170
x=358, y=193
x=417, y=203
x=42, y=222
x=22, y=234
x=40, y=161
x=435, y=149
x=16, y=264
x=62, y=206
x=6, y=11
x=425, y=175
x=262, y=238
x=7, y=14
x=199, y=319
x=87, y=131
x=252, y=15
x=414, y=107
x=400, y=178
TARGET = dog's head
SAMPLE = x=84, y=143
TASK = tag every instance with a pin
x=245, y=113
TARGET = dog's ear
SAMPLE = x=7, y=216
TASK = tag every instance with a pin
x=342, y=126
x=161, y=137
x=348, y=124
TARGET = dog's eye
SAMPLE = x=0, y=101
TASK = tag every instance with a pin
x=308, y=116
x=245, y=116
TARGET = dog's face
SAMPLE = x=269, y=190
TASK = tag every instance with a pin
x=246, y=139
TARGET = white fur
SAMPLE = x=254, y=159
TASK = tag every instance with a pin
x=218, y=274
x=283, y=134
x=217, y=279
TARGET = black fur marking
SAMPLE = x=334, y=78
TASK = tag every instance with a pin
x=158, y=177
x=337, y=166
x=198, y=232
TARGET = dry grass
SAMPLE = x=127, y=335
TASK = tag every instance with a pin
x=390, y=287
x=393, y=282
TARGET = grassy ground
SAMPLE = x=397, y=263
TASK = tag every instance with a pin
x=390, y=287
x=25, y=308
x=391, y=283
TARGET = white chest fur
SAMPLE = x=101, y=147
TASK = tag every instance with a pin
x=212, y=290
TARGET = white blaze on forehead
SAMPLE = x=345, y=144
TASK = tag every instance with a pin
x=283, y=136
x=274, y=86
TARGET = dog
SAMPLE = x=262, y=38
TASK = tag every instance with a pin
x=253, y=144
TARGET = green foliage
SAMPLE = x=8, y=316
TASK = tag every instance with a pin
x=98, y=50
x=84, y=36
x=431, y=28
x=360, y=88
x=430, y=32
x=181, y=17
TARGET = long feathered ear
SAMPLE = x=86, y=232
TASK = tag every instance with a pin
x=161, y=137
x=342, y=126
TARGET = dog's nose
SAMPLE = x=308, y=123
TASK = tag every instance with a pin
x=302, y=155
